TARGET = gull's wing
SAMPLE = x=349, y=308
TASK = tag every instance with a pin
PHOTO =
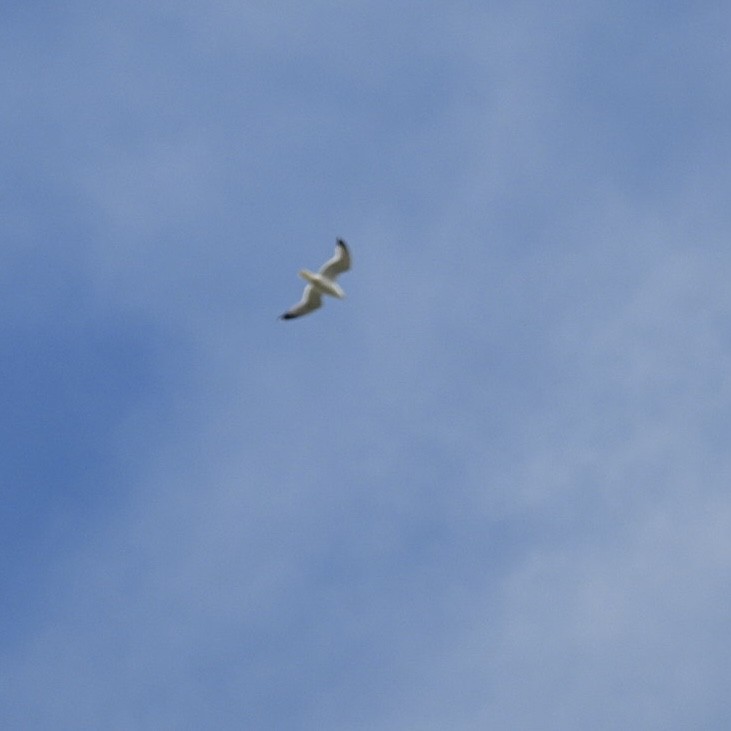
x=338, y=264
x=311, y=300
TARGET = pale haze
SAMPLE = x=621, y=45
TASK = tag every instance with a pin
x=490, y=489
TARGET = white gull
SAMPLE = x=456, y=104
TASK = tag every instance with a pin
x=321, y=283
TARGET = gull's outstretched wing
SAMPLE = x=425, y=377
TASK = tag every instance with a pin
x=338, y=264
x=311, y=300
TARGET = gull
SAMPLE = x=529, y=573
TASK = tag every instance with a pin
x=321, y=283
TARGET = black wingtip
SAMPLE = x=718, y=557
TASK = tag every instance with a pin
x=287, y=316
x=342, y=243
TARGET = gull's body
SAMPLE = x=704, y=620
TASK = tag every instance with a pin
x=321, y=283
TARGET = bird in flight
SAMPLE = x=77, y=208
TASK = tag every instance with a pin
x=321, y=283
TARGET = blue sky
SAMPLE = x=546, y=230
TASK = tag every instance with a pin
x=489, y=489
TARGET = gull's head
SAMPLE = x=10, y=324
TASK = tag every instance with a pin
x=307, y=275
